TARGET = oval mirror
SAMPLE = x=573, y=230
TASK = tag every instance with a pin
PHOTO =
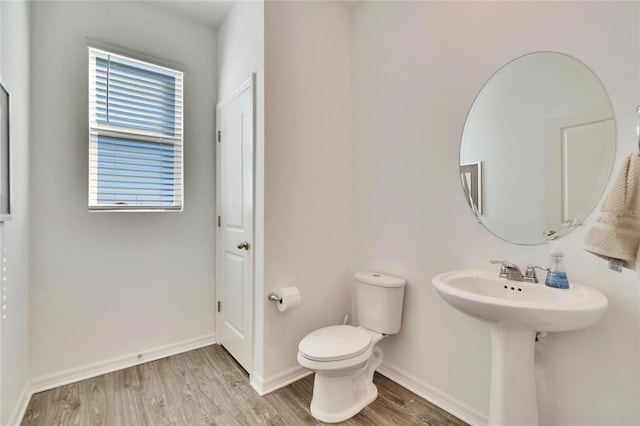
x=537, y=148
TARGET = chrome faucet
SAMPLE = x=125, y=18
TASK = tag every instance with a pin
x=530, y=274
x=509, y=270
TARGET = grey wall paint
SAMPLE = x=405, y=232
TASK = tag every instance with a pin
x=106, y=285
x=14, y=234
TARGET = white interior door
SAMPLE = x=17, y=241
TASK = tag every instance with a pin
x=574, y=180
x=234, y=187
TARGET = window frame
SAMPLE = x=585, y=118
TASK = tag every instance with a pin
x=98, y=130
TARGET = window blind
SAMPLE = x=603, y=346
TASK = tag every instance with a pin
x=135, y=134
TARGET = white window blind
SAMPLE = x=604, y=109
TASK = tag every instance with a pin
x=135, y=134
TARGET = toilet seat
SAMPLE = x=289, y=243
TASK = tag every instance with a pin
x=335, y=343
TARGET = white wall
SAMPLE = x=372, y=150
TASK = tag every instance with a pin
x=307, y=172
x=108, y=285
x=14, y=234
x=416, y=69
x=240, y=53
x=240, y=49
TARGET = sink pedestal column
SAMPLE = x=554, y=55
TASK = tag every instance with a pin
x=513, y=380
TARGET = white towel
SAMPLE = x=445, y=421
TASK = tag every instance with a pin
x=616, y=233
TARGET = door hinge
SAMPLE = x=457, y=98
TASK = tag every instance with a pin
x=219, y=305
x=219, y=221
x=219, y=136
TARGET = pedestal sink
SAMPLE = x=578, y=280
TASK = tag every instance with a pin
x=515, y=311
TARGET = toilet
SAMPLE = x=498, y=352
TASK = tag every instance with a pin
x=345, y=357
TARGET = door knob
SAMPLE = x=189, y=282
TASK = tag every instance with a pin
x=243, y=245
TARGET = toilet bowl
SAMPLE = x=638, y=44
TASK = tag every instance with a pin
x=344, y=358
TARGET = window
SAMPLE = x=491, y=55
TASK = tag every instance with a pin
x=135, y=134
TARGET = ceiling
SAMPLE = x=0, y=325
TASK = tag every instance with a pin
x=210, y=12
x=350, y=3
x=207, y=12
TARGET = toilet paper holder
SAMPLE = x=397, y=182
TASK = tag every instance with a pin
x=286, y=298
x=274, y=297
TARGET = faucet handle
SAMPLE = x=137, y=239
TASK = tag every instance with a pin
x=504, y=265
x=530, y=275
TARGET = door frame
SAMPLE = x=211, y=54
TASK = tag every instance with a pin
x=554, y=156
x=248, y=84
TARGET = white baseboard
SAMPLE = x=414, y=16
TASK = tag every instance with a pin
x=258, y=383
x=265, y=386
x=20, y=407
x=433, y=395
x=72, y=375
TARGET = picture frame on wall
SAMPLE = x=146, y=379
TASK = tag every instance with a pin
x=471, y=176
x=5, y=155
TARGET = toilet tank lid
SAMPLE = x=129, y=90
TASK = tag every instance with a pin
x=380, y=280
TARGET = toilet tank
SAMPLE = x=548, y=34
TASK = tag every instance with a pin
x=379, y=300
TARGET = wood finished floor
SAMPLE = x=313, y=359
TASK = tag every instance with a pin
x=207, y=387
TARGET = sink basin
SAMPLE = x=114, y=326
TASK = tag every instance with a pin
x=482, y=295
x=515, y=311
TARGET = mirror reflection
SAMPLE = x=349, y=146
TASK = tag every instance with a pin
x=537, y=148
